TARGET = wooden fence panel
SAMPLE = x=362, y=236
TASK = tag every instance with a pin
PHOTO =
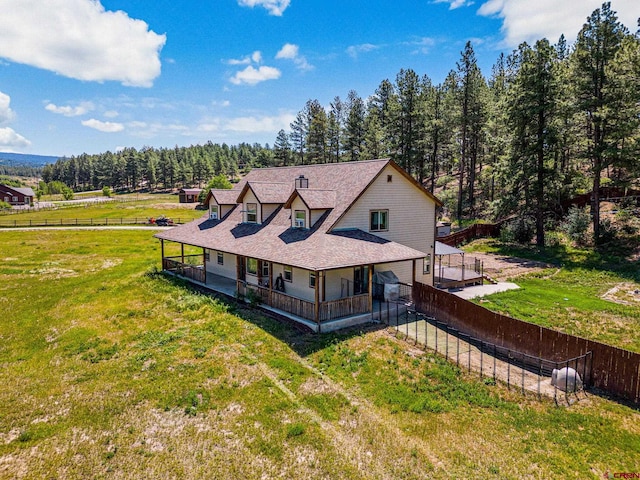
x=614, y=370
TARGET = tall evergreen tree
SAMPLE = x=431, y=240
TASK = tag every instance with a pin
x=596, y=47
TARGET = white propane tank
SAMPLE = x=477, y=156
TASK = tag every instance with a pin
x=566, y=379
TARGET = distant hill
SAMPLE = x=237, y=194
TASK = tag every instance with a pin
x=23, y=159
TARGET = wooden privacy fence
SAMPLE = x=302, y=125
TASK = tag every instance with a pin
x=477, y=230
x=613, y=370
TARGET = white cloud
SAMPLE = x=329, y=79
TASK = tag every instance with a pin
x=289, y=51
x=107, y=127
x=354, y=50
x=110, y=114
x=254, y=57
x=69, y=111
x=80, y=39
x=453, y=4
x=6, y=114
x=253, y=76
x=424, y=44
x=529, y=21
x=274, y=7
x=10, y=139
x=259, y=124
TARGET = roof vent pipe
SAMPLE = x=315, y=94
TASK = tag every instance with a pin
x=302, y=182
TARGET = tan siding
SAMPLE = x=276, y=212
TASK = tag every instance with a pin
x=225, y=209
x=228, y=269
x=315, y=216
x=333, y=282
x=401, y=269
x=268, y=209
x=299, y=287
x=411, y=213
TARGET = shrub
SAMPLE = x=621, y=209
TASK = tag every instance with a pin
x=520, y=230
x=106, y=191
x=5, y=206
x=608, y=231
x=576, y=225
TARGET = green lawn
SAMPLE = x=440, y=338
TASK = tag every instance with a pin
x=111, y=370
x=567, y=297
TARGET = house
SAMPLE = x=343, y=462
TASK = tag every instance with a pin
x=189, y=195
x=307, y=240
x=16, y=195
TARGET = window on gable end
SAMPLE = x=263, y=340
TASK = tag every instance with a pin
x=378, y=220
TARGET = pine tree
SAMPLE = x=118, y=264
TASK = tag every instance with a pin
x=596, y=47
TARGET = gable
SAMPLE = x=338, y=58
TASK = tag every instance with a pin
x=411, y=210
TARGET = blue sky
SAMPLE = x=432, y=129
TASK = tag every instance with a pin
x=89, y=76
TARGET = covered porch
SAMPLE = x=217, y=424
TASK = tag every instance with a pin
x=321, y=311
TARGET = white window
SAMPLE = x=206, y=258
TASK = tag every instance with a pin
x=312, y=280
x=288, y=273
x=265, y=270
x=220, y=258
x=426, y=269
x=300, y=219
x=213, y=215
x=15, y=199
x=379, y=220
x=252, y=212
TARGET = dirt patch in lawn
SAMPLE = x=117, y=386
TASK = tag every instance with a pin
x=625, y=293
x=502, y=267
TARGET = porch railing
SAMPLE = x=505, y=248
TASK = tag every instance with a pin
x=188, y=270
x=331, y=310
x=344, y=307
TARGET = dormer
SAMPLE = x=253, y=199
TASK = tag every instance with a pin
x=308, y=205
x=220, y=202
x=260, y=199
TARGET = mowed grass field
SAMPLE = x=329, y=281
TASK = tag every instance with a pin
x=131, y=206
x=584, y=293
x=111, y=370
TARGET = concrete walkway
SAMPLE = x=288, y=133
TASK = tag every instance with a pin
x=482, y=290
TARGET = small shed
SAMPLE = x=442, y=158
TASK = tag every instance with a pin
x=189, y=195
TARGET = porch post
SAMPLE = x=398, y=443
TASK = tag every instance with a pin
x=413, y=273
x=370, y=290
x=182, y=252
x=162, y=251
x=270, y=283
x=316, y=305
x=204, y=264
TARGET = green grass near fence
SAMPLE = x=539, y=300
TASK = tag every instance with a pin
x=571, y=295
x=125, y=206
x=111, y=370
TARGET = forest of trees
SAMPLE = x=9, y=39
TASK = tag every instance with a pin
x=549, y=122
x=155, y=169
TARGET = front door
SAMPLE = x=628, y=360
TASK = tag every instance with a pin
x=361, y=280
